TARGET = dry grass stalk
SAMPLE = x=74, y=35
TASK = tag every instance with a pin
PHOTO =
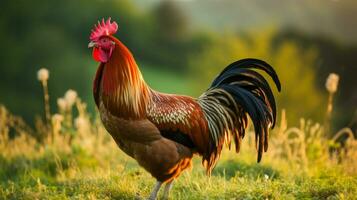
x=43, y=76
x=331, y=86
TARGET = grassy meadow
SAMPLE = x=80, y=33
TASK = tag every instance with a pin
x=71, y=156
x=52, y=142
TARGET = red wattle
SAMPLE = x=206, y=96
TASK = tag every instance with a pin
x=100, y=55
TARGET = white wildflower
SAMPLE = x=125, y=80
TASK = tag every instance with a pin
x=43, y=74
x=266, y=177
x=80, y=122
x=332, y=83
x=70, y=97
x=57, y=118
x=62, y=103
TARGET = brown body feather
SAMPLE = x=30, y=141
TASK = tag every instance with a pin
x=140, y=139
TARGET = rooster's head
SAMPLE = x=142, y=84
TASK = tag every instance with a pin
x=101, y=40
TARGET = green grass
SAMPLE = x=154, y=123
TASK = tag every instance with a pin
x=77, y=175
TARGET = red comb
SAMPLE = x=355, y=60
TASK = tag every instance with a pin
x=103, y=28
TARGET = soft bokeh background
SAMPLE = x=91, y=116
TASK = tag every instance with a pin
x=180, y=46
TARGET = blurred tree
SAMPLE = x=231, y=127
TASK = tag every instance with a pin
x=171, y=21
x=37, y=34
x=172, y=39
x=333, y=57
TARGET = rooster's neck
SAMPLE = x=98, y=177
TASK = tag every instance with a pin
x=123, y=89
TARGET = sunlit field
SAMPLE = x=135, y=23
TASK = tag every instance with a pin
x=71, y=156
x=52, y=141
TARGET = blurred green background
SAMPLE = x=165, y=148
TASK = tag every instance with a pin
x=181, y=46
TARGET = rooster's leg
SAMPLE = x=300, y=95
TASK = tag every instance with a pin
x=168, y=187
x=155, y=190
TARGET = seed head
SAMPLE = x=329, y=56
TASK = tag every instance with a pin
x=332, y=82
x=70, y=97
x=57, y=118
x=43, y=74
x=62, y=103
x=266, y=177
x=80, y=122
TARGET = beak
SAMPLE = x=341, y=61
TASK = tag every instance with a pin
x=91, y=44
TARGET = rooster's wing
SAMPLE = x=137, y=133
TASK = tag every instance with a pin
x=179, y=118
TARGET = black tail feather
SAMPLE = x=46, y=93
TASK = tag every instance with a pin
x=241, y=71
x=241, y=91
x=252, y=63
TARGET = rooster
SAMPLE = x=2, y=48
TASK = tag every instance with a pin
x=161, y=131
